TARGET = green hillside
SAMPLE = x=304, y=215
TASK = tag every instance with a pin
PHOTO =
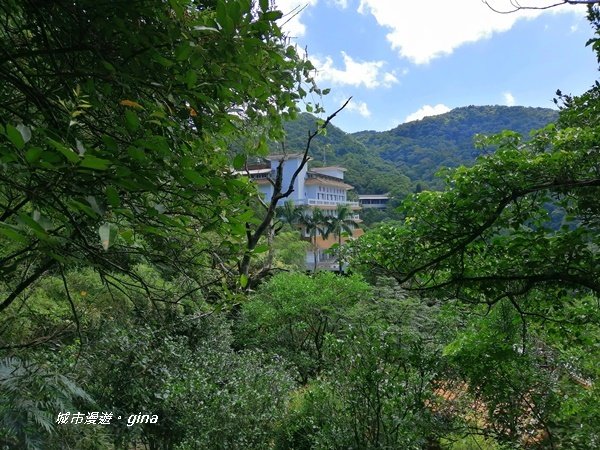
x=422, y=147
x=398, y=159
x=408, y=157
x=367, y=170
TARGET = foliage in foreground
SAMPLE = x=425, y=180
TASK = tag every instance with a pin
x=174, y=362
x=116, y=118
x=94, y=180
x=517, y=237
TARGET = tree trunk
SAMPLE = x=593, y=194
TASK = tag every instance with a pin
x=339, y=253
x=270, y=237
x=315, y=251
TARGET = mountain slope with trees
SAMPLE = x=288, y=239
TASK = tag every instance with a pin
x=381, y=161
x=367, y=171
x=420, y=148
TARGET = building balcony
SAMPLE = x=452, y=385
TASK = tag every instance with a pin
x=319, y=202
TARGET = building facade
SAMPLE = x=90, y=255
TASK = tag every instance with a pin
x=378, y=201
x=320, y=188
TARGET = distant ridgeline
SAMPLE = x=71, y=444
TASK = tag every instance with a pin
x=397, y=160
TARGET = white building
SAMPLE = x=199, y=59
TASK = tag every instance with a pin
x=321, y=187
x=379, y=201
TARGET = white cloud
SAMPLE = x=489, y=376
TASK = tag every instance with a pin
x=354, y=73
x=427, y=110
x=359, y=107
x=340, y=3
x=422, y=31
x=509, y=99
x=292, y=13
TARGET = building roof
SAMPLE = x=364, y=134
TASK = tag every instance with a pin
x=285, y=156
x=255, y=171
x=373, y=196
x=318, y=169
x=317, y=179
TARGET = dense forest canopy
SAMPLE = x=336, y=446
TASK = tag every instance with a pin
x=420, y=148
x=116, y=120
x=472, y=321
x=412, y=153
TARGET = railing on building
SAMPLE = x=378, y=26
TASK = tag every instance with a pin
x=319, y=202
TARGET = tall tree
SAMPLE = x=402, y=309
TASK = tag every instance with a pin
x=114, y=120
x=523, y=219
x=517, y=237
x=338, y=225
x=289, y=214
x=314, y=224
x=281, y=191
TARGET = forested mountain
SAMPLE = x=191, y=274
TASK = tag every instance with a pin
x=381, y=161
x=422, y=147
x=406, y=158
x=367, y=171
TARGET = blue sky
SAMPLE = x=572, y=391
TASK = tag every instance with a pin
x=403, y=59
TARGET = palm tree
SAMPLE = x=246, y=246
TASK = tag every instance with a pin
x=339, y=225
x=289, y=213
x=313, y=222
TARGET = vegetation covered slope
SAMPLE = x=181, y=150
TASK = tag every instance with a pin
x=422, y=147
x=380, y=162
x=367, y=171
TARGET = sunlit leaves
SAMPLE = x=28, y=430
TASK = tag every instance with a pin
x=134, y=137
x=108, y=233
x=513, y=220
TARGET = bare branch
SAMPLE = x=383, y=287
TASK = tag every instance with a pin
x=278, y=194
x=518, y=7
x=26, y=283
x=73, y=310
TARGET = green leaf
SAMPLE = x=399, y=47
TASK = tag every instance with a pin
x=177, y=7
x=108, y=66
x=110, y=143
x=11, y=233
x=194, y=177
x=156, y=143
x=15, y=136
x=272, y=15
x=93, y=162
x=137, y=153
x=261, y=248
x=191, y=77
x=223, y=17
x=71, y=156
x=127, y=236
x=112, y=195
x=108, y=233
x=79, y=206
x=35, y=227
x=183, y=52
x=239, y=161
x=131, y=119
x=33, y=154
x=243, y=280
